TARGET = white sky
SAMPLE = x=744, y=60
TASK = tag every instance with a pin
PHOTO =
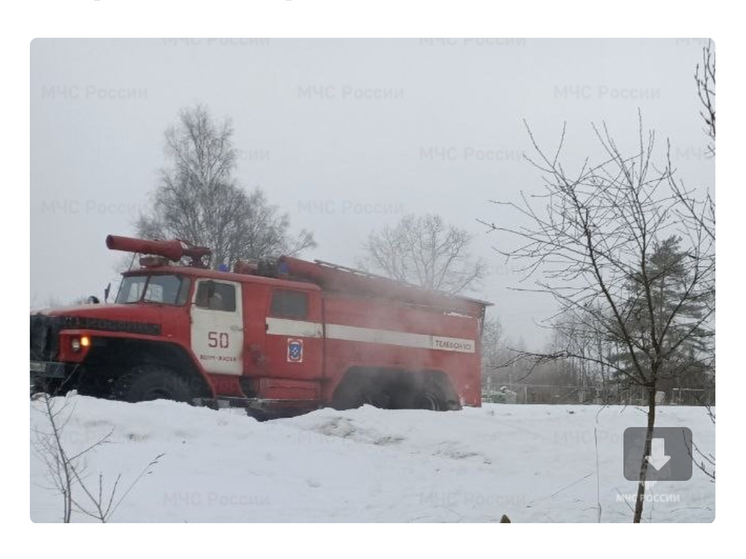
x=442, y=132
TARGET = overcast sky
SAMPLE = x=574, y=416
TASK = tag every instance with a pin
x=343, y=135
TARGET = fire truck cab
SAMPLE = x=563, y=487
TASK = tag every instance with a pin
x=278, y=337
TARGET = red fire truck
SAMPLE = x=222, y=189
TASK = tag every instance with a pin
x=277, y=337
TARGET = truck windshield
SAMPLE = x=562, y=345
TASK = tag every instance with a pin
x=161, y=288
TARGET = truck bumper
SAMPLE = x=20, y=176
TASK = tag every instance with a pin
x=46, y=373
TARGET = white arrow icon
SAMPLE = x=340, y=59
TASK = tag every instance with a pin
x=658, y=457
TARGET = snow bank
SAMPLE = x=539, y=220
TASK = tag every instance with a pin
x=533, y=463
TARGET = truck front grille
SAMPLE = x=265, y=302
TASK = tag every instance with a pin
x=44, y=337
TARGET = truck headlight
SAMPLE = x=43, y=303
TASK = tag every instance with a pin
x=77, y=343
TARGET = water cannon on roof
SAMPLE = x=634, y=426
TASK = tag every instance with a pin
x=171, y=250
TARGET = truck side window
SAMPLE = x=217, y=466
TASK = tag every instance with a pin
x=289, y=304
x=181, y=297
x=216, y=296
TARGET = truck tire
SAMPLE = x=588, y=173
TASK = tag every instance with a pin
x=359, y=390
x=432, y=396
x=356, y=397
x=429, y=398
x=151, y=382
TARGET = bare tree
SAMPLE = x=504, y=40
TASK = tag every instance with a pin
x=199, y=199
x=493, y=353
x=493, y=340
x=704, y=76
x=425, y=251
x=48, y=446
x=693, y=209
x=66, y=470
x=701, y=211
x=589, y=241
x=579, y=333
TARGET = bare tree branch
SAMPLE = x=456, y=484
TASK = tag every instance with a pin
x=425, y=251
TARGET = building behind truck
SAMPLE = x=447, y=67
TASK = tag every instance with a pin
x=277, y=337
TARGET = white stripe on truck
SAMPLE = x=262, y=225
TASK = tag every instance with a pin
x=303, y=329
x=299, y=328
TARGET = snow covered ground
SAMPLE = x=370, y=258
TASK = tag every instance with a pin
x=534, y=463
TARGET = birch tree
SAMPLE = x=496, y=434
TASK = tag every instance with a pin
x=199, y=199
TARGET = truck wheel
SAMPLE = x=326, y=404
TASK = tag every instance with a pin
x=358, y=398
x=151, y=382
x=358, y=393
x=429, y=399
x=432, y=397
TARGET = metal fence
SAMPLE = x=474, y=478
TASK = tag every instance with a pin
x=553, y=394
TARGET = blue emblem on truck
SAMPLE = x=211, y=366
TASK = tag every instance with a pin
x=295, y=350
